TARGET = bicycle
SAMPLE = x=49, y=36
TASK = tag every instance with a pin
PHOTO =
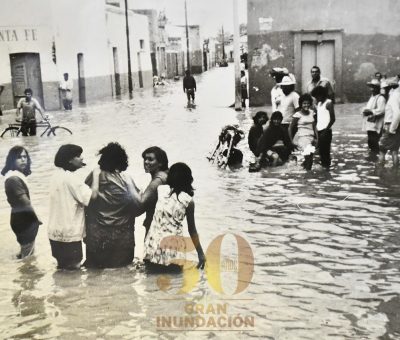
x=14, y=129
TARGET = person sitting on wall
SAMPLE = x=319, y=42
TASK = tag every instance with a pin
x=28, y=105
x=66, y=86
x=189, y=86
x=317, y=80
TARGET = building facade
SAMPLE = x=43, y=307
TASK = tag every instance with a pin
x=349, y=40
x=40, y=40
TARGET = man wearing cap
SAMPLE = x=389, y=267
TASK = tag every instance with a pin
x=390, y=140
x=373, y=115
x=277, y=73
x=288, y=102
x=317, y=80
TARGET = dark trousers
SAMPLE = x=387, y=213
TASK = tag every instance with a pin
x=190, y=94
x=28, y=128
x=68, y=254
x=373, y=141
x=325, y=140
x=67, y=103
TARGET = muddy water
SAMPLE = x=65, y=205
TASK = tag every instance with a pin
x=325, y=244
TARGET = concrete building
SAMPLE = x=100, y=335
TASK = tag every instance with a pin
x=195, y=47
x=42, y=39
x=348, y=39
x=154, y=36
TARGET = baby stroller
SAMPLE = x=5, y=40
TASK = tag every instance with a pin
x=225, y=153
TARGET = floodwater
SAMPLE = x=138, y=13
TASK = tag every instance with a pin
x=325, y=244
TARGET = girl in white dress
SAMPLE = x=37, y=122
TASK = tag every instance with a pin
x=165, y=246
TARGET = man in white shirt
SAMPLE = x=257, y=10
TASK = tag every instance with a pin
x=287, y=102
x=390, y=140
x=66, y=86
x=277, y=73
x=373, y=114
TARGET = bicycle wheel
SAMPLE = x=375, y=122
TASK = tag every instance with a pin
x=11, y=131
x=59, y=131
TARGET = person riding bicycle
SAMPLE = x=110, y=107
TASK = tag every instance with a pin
x=28, y=105
x=189, y=86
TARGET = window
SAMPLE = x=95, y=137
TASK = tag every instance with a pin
x=141, y=42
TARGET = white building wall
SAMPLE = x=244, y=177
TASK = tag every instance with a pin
x=75, y=26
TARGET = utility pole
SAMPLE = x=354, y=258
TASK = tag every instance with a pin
x=236, y=56
x=187, y=39
x=128, y=47
x=223, y=43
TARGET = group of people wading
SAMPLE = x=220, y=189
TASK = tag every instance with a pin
x=101, y=210
x=310, y=117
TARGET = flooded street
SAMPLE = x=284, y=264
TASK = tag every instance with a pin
x=326, y=245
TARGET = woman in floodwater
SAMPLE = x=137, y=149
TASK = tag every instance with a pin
x=24, y=221
x=155, y=162
x=165, y=240
x=110, y=218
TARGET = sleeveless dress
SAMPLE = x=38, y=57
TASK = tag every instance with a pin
x=305, y=132
x=167, y=222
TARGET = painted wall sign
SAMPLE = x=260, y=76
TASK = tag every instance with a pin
x=10, y=35
x=265, y=24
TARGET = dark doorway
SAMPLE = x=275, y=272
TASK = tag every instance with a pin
x=140, y=73
x=154, y=63
x=26, y=72
x=117, y=76
x=81, y=79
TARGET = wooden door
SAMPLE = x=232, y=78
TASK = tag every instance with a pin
x=26, y=73
x=308, y=60
x=326, y=60
x=321, y=54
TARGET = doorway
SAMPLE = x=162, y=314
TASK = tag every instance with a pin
x=26, y=73
x=117, y=77
x=81, y=79
x=140, y=73
x=320, y=54
x=323, y=48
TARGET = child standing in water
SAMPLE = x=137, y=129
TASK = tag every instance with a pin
x=305, y=123
x=165, y=237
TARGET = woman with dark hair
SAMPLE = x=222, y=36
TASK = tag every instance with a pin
x=155, y=162
x=164, y=246
x=257, y=129
x=110, y=218
x=23, y=221
x=68, y=197
x=304, y=125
